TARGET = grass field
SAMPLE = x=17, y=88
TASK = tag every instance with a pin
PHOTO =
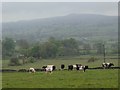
x=62, y=79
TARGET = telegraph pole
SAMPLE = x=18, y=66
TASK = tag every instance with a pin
x=104, y=51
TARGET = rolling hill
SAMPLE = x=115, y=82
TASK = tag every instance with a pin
x=78, y=26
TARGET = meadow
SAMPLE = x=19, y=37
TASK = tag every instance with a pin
x=62, y=79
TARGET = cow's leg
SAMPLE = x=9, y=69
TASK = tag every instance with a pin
x=50, y=72
x=46, y=71
x=83, y=69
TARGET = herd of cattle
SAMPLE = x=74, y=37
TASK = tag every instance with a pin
x=50, y=68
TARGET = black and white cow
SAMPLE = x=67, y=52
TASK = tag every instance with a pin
x=107, y=65
x=77, y=67
x=81, y=67
x=32, y=70
x=50, y=68
x=74, y=67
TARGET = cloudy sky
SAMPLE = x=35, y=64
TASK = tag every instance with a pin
x=15, y=11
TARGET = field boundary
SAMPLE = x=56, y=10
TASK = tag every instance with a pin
x=25, y=70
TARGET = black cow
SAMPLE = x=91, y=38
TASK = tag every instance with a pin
x=62, y=66
x=70, y=67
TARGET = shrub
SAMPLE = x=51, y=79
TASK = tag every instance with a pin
x=14, y=61
x=31, y=59
x=92, y=59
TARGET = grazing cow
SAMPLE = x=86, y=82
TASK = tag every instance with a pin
x=43, y=67
x=70, y=67
x=107, y=65
x=50, y=68
x=32, y=70
x=54, y=67
x=83, y=68
x=74, y=67
x=62, y=66
x=80, y=67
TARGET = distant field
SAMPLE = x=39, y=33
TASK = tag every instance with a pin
x=65, y=60
x=62, y=79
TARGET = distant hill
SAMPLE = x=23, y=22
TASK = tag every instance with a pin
x=77, y=26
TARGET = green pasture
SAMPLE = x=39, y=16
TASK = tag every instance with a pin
x=65, y=60
x=62, y=79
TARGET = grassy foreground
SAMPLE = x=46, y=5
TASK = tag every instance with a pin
x=62, y=79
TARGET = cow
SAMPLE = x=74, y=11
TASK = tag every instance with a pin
x=43, y=67
x=62, y=66
x=70, y=67
x=74, y=67
x=32, y=70
x=80, y=67
x=107, y=65
x=50, y=68
x=83, y=68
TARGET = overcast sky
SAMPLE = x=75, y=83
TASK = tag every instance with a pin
x=15, y=11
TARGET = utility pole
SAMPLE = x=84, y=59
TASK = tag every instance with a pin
x=104, y=51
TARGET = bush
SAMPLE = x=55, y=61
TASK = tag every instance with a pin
x=92, y=59
x=14, y=61
x=31, y=59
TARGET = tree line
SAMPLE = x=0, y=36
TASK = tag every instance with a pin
x=52, y=48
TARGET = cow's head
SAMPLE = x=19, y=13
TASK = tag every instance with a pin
x=86, y=67
x=111, y=64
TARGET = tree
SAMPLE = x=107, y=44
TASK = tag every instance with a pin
x=49, y=49
x=22, y=47
x=87, y=48
x=14, y=61
x=99, y=47
x=23, y=44
x=8, y=47
x=70, y=47
x=114, y=48
x=35, y=51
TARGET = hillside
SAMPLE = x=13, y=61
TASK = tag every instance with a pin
x=78, y=26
